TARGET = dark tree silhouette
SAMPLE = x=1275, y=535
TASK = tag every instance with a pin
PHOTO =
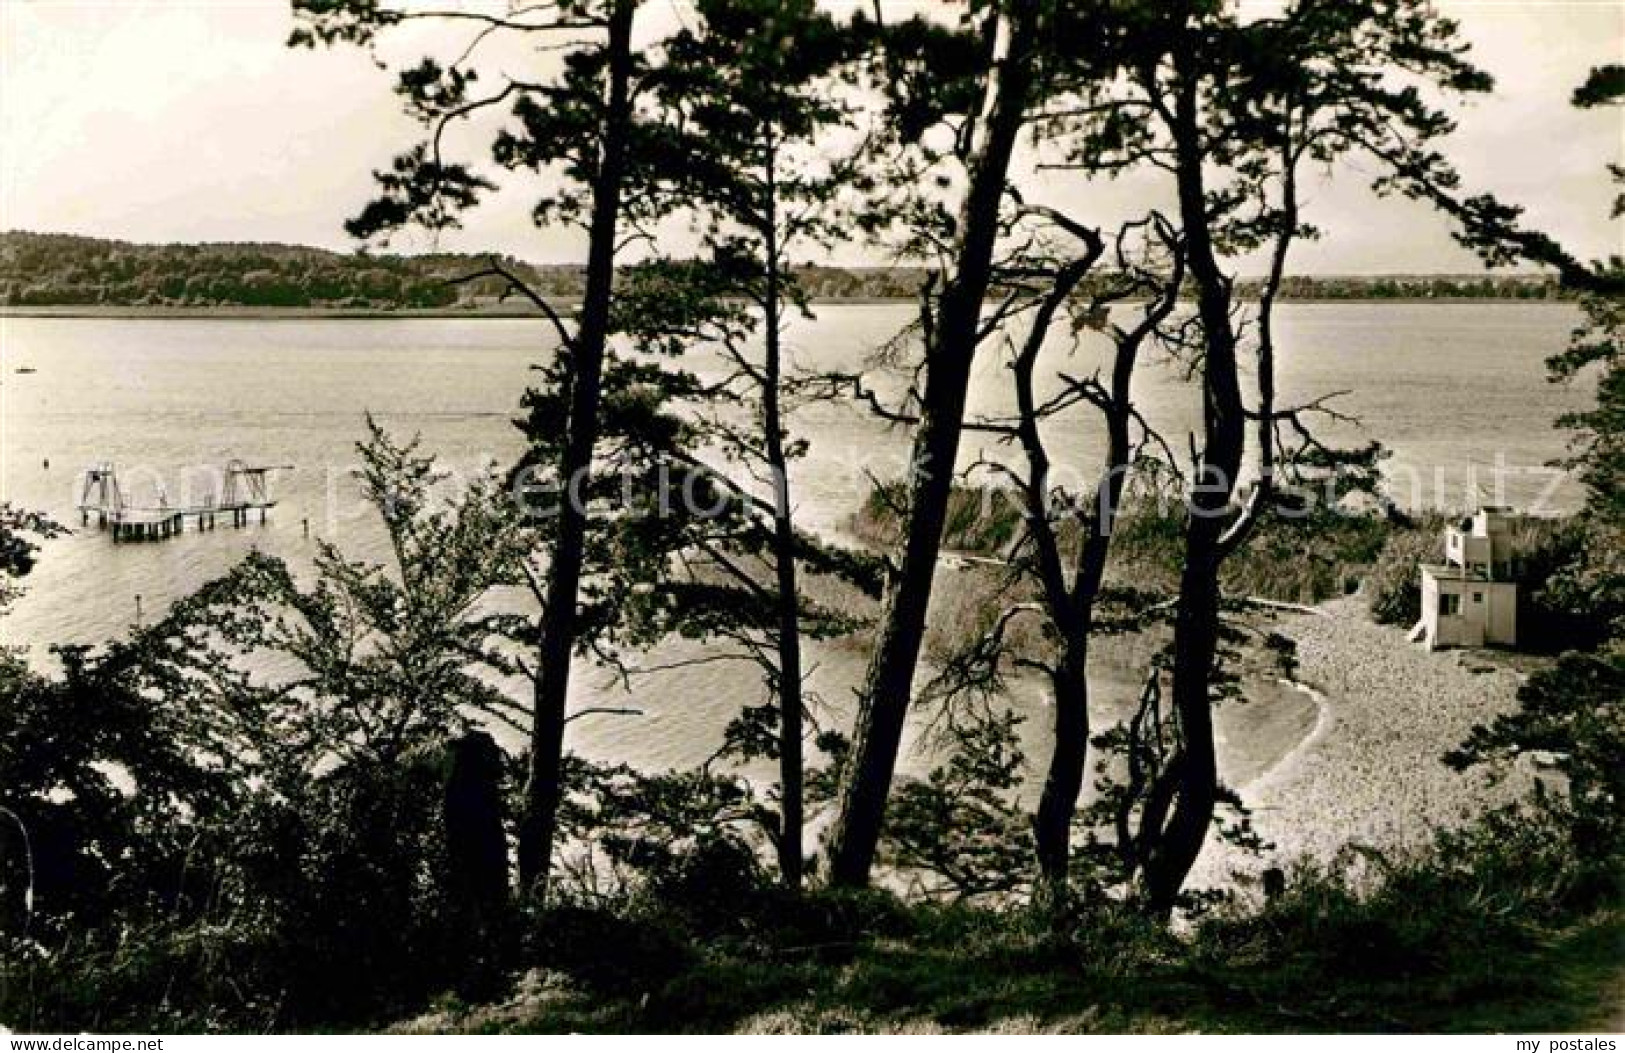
x=1232, y=109
x=992, y=76
x=581, y=125
x=758, y=94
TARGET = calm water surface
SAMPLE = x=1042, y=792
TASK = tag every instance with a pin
x=1451, y=389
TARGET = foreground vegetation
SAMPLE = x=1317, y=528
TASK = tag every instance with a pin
x=1474, y=944
x=1494, y=929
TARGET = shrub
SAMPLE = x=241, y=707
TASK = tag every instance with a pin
x=610, y=945
x=959, y=832
x=1571, y=714
x=981, y=520
x=1394, y=585
x=1574, y=578
x=1307, y=559
x=1444, y=929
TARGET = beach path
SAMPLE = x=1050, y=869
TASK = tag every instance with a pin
x=1371, y=771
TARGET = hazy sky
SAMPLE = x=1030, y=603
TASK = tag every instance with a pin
x=188, y=120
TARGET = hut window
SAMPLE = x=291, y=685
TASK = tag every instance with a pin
x=1449, y=604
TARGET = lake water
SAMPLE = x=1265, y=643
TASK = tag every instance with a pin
x=1453, y=390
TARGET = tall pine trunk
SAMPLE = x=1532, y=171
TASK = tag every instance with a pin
x=1063, y=782
x=1058, y=803
x=885, y=696
x=557, y=636
x=1072, y=605
x=1194, y=773
x=791, y=720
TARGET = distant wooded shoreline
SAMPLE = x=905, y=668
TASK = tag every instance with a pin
x=62, y=275
x=179, y=312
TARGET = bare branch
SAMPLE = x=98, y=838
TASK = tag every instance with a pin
x=497, y=270
x=597, y=710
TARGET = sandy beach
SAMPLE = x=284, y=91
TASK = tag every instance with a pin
x=1370, y=770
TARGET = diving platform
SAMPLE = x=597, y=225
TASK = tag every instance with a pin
x=244, y=490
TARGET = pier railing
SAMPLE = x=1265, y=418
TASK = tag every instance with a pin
x=245, y=489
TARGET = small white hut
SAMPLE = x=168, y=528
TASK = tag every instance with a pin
x=1469, y=600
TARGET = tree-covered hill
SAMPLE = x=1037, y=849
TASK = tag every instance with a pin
x=65, y=270
x=38, y=270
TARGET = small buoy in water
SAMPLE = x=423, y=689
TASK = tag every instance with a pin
x=47, y=464
x=306, y=524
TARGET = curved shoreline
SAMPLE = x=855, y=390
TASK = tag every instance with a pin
x=1284, y=765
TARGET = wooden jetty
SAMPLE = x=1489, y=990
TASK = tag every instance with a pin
x=244, y=490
